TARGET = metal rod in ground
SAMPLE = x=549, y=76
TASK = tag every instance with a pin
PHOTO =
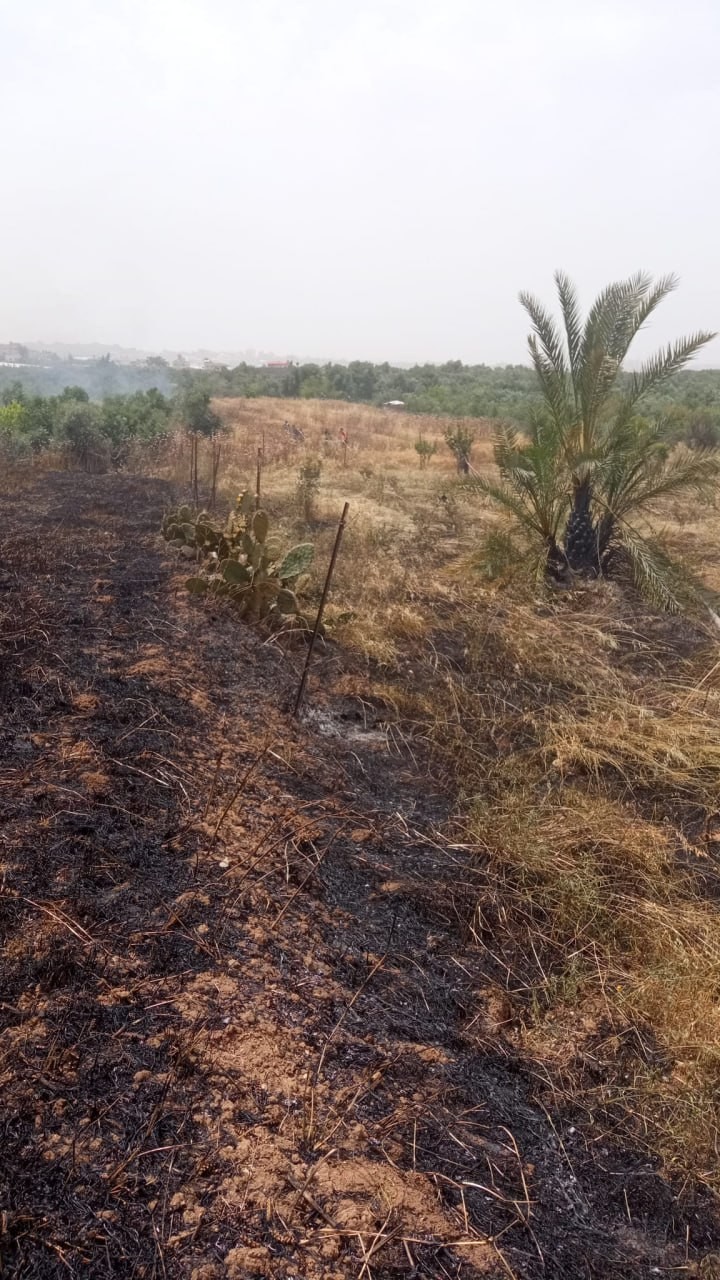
x=196, y=493
x=321, y=610
x=258, y=478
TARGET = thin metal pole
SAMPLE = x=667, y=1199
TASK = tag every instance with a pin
x=216, y=447
x=321, y=610
x=257, y=478
x=195, y=472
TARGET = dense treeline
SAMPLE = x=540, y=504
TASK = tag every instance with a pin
x=689, y=402
x=452, y=388
x=94, y=433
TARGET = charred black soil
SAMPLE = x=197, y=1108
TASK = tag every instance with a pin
x=244, y=1027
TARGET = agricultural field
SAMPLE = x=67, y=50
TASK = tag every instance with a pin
x=420, y=984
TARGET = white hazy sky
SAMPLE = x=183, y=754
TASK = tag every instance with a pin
x=356, y=179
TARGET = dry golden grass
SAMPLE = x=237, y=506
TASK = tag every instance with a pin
x=580, y=735
x=401, y=516
x=592, y=788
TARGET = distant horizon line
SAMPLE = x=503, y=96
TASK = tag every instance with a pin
x=90, y=350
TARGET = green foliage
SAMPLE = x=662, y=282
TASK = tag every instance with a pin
x=13, y=418
x=460, y=440
x=79, y=428
x=296, y=562
x=592, y=466
x=245, y=503
x=425, y=450
x=452, y=389
x=240, y=560
x=74, y=393
x=145, y=415
x=498, y=556
x=236, y=574
x=260, y=526
x=286, y=601
x=91, y=435
x=196, y=414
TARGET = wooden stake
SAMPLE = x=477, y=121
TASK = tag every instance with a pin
x=258, y=478
x=195, y=471
x=321, y=610
x=216, y=447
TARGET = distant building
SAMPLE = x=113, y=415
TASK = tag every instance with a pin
x=394, y=404
x=14, y=355
x=278, y=364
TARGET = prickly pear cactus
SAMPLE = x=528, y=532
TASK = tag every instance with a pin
x=240, y=560
x=260, y=526
x=296, y=562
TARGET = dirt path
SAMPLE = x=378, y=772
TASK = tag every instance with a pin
x=242, y=1030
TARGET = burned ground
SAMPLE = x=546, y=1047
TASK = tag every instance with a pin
x=245, y=1028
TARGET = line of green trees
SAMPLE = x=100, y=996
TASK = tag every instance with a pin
x=96, y=434
x=689, y=402
x=135, y=399
x=89, y=430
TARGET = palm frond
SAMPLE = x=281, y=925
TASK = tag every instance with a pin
x=661, y=579
x=638, y=306
x=547, y=332
x=657, y=292
x=506, y=444
x=549, y=358
x=613, y=303
x=666, y=362
x=631, y=454
x=606, y=337
x=524, y=514
x=652, y=570
x=498, y=555
x=696, y=471
x=570, y=308
x=637, y=299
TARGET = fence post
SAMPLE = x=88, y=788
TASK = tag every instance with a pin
x=258, y=478
x=321, y=610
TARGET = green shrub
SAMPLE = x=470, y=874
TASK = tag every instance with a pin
x=80, y=430
x=308, y=488
x=425, y=450
x=460, y=441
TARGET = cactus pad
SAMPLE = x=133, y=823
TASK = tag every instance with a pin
x=297, y=560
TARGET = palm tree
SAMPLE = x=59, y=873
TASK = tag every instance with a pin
x=591, y=464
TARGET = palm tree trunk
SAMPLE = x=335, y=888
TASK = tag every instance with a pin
x=581, y=533
x=605, y=530
x=556, y=564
